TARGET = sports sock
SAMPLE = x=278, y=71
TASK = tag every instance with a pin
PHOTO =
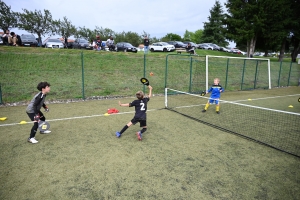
x=34, y=129
x=206, y=106
x=124, y=129
x=143, y=130
x=217, y=108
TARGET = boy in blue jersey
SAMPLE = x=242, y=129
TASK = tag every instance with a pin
x=140, y=105
x=215, y=90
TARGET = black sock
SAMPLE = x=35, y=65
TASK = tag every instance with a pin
x=143, y=130
x=124, y=129
x=34, y=129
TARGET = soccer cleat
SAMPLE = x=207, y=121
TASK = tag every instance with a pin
x=45, y=132
x=32, y=140
x=118, y=134
x=139, y=135
x=203, y=110
x=217, y=112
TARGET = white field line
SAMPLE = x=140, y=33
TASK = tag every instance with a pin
x=78, y=117
x=101, y=115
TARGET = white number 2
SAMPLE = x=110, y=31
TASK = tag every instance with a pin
x=142, y=106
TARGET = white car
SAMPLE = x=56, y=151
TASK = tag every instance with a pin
x=161, y=46
x=53, y=43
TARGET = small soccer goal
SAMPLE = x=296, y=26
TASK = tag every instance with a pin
x=238, y=73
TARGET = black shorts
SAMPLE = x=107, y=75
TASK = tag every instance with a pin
x=141, y=121
x=31, y=116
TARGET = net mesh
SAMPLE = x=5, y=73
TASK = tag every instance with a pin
x=275, y=128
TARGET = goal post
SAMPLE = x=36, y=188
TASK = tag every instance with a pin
x=194, y=74
x=250, y=73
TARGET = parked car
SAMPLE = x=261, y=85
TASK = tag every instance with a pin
x=224, y=49
x=205, y=46
x=161, y=46
x=216, y=47
x=53, y=43
x=125, y=46
x=237, y=51
x=177, y=44
x=81, y=43
x=192, y=44
x=1, y=41
x=28, y=40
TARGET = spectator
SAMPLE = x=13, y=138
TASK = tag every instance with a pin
x=190, y=49
x=14, y=40
x=110, y=44
x=146, y=44
x=97, y=43
x=5, y=37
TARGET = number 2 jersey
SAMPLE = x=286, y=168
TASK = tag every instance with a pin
x=140, y=107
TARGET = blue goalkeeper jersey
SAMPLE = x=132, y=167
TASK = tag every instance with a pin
x=215, y=91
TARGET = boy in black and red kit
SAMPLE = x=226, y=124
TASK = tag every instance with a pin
x=33, y=110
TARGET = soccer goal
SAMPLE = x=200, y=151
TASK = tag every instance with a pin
x=194, y=74
x=238, y=73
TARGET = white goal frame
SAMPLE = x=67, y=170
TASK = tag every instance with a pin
x=241, y=58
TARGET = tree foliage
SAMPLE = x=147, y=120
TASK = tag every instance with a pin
x=7, y=16
x=131, y=37
x=65, y=28
x=36, y=22
x=171, y=37
x=86, y=33
x=213, y=31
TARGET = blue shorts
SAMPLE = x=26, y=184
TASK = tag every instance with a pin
x=216, y=101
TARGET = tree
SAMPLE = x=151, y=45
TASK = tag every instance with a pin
x=104, y=33
x=8, y=17
x=276, y=20
x=36, y=22
x=295, y=29
x=171, y=37
x=188, y=36
x=65, y=28
x=213, y=31
x=130, y=37
x=198, y=36
x=85, y=33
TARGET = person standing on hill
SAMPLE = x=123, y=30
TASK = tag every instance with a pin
x=146, y=44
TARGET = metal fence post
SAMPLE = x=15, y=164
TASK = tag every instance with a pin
x=0, y=95
x=82, y=73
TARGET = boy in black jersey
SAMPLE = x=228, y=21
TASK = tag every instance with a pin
x=33, y=110
x=140, y=105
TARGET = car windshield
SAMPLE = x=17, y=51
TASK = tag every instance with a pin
x=54, y=40
x=27, y=37
x=164, y=43
x=83, y=41
x=180, y=43
x=128, y=44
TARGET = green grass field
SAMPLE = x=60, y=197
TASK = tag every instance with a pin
x=178, y=158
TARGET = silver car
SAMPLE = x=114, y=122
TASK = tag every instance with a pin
x=53, y=43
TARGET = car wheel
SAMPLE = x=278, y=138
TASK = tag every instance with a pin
x=135, y=51
x=165, y=50
x=125, y=50
x=152, y=50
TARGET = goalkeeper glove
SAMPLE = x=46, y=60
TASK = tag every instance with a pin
x=37, y=117
x=46, y=109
